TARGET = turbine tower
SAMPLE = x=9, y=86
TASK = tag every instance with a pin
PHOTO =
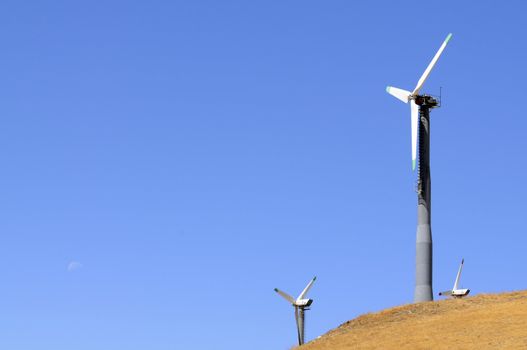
x=301, y=305
x=420, y=106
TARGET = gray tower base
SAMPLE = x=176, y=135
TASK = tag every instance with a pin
x=423, y=246
x=300, y=323
x=423, y=257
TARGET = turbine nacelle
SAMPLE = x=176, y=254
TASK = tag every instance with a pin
x=303, y=302
x=427, y=100
x=458, y=293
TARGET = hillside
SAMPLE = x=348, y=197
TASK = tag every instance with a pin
x=485, y=321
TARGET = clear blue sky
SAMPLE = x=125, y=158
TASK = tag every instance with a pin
x=194, y=155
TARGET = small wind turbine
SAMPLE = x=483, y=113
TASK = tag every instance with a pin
x=420, y=106
x=455, y=292
x=300, y=305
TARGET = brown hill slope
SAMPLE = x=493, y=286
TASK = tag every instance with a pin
x=486, y=321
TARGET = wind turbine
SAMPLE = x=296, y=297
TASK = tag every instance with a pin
x=455, y=292
x=300, y=305
x=420, y=106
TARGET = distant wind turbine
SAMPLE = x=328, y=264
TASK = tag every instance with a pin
x=456, y=292
x=300, y=305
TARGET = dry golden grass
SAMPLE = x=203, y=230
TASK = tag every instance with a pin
x=486, y=321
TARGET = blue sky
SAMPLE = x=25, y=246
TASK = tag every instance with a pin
x=192, y=156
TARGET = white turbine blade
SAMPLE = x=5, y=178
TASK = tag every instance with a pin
x=401, y=94
x=304, y=292
x=285, y=296
x=447, y=292
x=414, y=118
x=458, y=274
x=431, y=66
